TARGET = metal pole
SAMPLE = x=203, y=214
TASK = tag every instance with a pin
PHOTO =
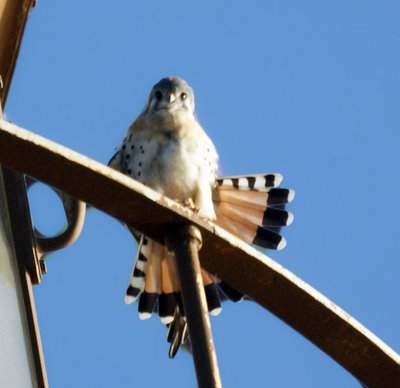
x=185, y=242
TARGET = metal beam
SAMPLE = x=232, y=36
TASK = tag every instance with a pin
x=13, y=16
x=295, y=302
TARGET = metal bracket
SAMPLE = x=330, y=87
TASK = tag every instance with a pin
x=75, y=212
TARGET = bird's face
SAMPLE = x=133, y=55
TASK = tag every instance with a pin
x=172, y=95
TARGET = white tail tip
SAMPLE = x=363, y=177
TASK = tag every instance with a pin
x=144, y=316
x=129, y=299
x=166, y=320
x=289, y=219
x=216, y=311
x=291, y=195
x=282, y=244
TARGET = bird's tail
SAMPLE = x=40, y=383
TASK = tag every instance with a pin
x=251, y=207
x=154, y=283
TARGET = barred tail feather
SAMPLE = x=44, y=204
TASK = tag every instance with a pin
x=152, y=278
x=212, y=295
x=136, y=278
x=267, y=216
x=154, y=283
x=230, y=293
x=168, y=299
x=250, y=182
x=252, y=207
x=252, y=233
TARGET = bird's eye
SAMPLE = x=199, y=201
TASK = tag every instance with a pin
x=183, y=96
x=158, y=95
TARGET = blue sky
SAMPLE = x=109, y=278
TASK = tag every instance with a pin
x=309, y=89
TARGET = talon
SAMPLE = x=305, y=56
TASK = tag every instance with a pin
x=189, y=204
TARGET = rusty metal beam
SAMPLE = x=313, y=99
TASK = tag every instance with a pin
x=299, y=305
x=13, y=16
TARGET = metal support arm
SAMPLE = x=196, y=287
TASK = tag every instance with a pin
x=185, y=242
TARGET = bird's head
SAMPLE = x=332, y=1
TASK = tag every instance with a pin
x=172, y=95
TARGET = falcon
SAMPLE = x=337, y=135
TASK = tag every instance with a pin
x=167, y=149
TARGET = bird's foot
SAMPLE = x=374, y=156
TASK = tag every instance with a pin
x=189, y=204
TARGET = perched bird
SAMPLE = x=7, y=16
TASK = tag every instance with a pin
x=167, y=149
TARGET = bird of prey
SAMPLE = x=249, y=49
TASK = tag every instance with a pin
x=167, y=149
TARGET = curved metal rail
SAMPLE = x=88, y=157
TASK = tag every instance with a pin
x=284, y=294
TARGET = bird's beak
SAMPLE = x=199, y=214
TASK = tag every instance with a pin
x=171, y=98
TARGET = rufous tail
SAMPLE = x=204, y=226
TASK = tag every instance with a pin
x=252, y=208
